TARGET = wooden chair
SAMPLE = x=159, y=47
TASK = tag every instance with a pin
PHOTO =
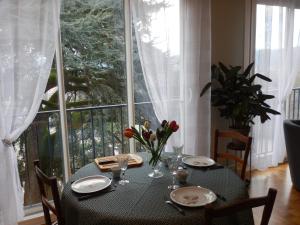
x=44, y=180
x=231, y=134
x=266, y=201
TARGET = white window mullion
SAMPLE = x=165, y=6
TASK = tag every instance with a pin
x=129, y=69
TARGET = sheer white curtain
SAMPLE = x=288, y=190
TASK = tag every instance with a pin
x=277, y=56
x=27, y=31
x=173, y=38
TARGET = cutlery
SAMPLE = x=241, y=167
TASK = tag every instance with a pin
x=84, y=197
x=167, y=201
x=215, y=167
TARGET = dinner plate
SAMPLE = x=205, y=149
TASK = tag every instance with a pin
x=193, y=196
x=199, y=161
x=91, y=184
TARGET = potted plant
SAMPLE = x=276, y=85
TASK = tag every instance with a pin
x=238, y=98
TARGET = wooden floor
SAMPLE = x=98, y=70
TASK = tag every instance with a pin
x=287, y=205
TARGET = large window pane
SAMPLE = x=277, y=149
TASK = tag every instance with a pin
x=93, y=47
x=143, y=106
x=95, y=78
x=272, y=31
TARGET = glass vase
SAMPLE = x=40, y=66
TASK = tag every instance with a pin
x=156, y=173
x=154, y=162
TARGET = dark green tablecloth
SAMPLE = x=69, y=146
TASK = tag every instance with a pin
x=141, y=202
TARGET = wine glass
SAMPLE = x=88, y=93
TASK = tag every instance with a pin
x=123, y=163
x=178, y=152
x=173, y=164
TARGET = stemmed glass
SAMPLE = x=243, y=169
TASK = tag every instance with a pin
x=178, y=152
x=173, y=164
x=123, y=163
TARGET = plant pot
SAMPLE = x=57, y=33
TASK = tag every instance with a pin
x=236, y=144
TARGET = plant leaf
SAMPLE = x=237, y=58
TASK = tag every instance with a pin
x=272, y=111
x=263, y=77
x=206, y=87
x=248, y=69
x=223, y=68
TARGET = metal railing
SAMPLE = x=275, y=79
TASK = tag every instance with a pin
x=293, y=105
x=93, y=132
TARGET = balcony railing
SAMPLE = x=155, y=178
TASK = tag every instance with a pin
x=93, y=132
x=293, y=105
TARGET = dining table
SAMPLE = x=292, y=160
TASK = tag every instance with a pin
x=142, y=200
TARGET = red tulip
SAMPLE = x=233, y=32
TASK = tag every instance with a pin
x=174, y=127
x=128, y=132
x=146, y=135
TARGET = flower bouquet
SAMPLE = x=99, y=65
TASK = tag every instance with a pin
x=152, y=141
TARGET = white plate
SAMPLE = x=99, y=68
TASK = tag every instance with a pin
x=91, y=184
x=199, y=161
x=193, y=196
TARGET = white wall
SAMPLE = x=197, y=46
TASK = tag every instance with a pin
x=228, y=19
x=228, y=31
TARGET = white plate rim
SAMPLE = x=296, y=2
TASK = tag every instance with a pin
x=192, y=187
x=210, y=159
x=87, y=177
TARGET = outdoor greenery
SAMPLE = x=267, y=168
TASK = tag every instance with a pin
x=236, y=95
x=93, y=47
x=93, y=54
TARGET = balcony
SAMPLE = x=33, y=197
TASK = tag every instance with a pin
x=93, y=132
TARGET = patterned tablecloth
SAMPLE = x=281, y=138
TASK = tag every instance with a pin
x=141, y=202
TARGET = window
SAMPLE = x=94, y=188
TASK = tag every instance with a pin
x=276, y=31
x=94, y=62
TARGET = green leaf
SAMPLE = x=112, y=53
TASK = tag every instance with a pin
x=265, y=97
x=223, y=68
x=272, y=111
x=255, y=87
x=235, y=69
x=263, y=77
x=206, y=87
x=248, y=69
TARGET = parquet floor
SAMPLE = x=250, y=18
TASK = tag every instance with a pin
x=287, y=205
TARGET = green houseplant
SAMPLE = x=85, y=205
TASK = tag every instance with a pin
x=238, y=98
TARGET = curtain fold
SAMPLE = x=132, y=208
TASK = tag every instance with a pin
x=282, y=3
x=276, y=55
x=27, y=45
x=173, y=39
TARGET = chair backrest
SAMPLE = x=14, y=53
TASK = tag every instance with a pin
x=266, y=201
x=231, y=134
x=43, y=181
